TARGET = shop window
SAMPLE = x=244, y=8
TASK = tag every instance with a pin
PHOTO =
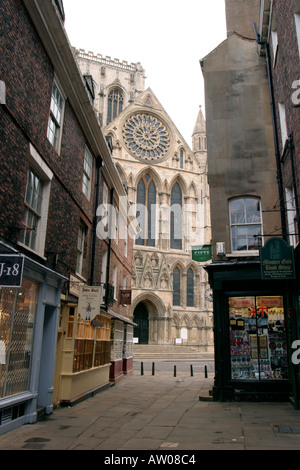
x=258, y=345
x=92, y=344
x=117, y=340
x=245, y=224
x=17, y=319
x=103, y=343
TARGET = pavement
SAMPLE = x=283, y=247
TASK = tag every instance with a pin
x=160, y=413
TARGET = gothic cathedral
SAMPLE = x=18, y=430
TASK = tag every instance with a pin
x=167, y=188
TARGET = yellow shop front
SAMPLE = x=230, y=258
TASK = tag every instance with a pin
x=83, y=354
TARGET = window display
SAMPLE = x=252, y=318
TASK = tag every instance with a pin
x=17, y=320
x=258, y=345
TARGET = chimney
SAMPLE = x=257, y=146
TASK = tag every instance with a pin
x=240, y=16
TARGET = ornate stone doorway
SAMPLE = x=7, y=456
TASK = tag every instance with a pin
x=141, y=318
x=153, y=325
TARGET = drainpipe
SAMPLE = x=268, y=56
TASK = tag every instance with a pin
x=99, y=164
x=110, y=221
x=291, y=149
x=277, y=153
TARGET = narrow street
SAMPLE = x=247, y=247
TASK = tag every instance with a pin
x=161, y=413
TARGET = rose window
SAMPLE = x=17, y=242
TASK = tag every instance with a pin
x=146, y=137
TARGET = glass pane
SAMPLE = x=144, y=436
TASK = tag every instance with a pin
x=140, y=215
x=176, y=218
x=176, y=287
x=190, y=288
x=151, y=214
x=258, y=345
x=17, y=319
x=237, y=212
x=252, y=211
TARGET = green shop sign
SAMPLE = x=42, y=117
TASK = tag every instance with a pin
x=277, y=260
x=201, y=253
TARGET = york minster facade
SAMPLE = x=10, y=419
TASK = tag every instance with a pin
x=168, y=192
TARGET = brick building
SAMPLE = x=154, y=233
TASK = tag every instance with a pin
x=56, y=170
x=255, y=306
x=279, y=43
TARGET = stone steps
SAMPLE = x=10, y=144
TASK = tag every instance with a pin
x=171, y=352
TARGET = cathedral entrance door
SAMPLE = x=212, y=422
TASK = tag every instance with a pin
x=141, y=318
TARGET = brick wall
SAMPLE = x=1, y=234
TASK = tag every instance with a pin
x=286, y=69
x=28, y=75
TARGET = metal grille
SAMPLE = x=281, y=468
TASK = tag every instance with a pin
x=17, y=319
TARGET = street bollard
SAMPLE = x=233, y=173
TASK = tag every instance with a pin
x=192, y=371
x=153, y=368
x=175, y=371
x=142, y=368
x=205, y=371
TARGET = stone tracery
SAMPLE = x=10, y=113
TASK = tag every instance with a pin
x=146, y=137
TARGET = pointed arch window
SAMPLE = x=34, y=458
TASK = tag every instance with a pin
x=114, y=104
x=181, y=159
x=176, y=217
x=146, y=211
x=176, y=287
x=190, y=288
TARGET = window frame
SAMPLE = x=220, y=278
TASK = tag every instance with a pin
x=87, y=173
x=237, y=225
x=149, y=217
x=176, y=301
x=45, y=175
x=176, y=243
x=190, y=296
x=115, y=104
x=53, y=118
x=80, y=249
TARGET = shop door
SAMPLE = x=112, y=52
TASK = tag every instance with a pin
x=258, y=345
x=141, y=318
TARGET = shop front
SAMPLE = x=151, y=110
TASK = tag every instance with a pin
x=28, y=330
x=94, y=345
x=253, y=328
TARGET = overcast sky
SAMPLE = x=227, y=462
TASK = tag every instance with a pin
x=168, y=38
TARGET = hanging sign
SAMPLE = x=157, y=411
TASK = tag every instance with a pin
x=277, y=260
x=89, y=302
x=125, y=297
x=11, y=270
x=201, y=253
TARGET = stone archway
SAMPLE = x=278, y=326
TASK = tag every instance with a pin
x=141, y=319
x=149, y=311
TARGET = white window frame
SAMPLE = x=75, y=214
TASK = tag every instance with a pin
x=56, y=118
x=297, y=23
x=245, y=224
x=283, y=124
x=291, y=215
x=80, y=249
x=43, y=172
x=114, y=281
x=87, y=173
